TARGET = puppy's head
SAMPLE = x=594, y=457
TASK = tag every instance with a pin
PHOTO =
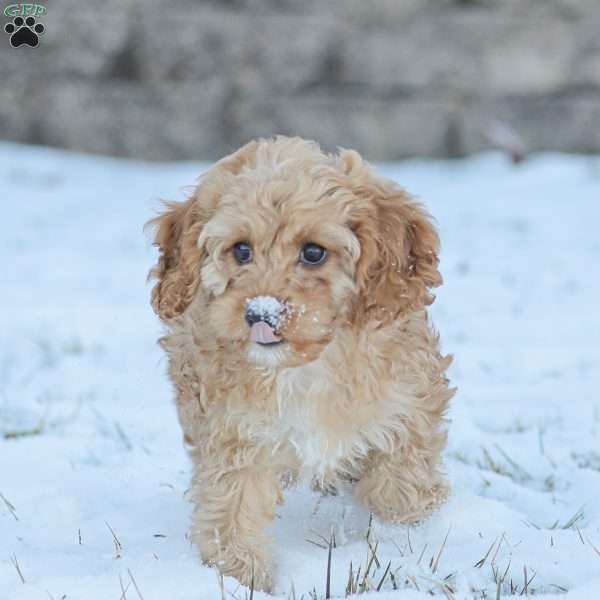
x=280, y=246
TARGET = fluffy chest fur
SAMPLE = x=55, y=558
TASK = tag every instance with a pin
x=327, y=414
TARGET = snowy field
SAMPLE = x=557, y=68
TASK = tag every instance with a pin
x=93, y=475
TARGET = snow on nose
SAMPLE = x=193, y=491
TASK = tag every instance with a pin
x=267, y=309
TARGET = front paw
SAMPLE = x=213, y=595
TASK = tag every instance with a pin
x=250, y=567
x=255, y=576
x=399, y=501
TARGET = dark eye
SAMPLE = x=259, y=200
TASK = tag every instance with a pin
x=313, y=254
x=242, y=252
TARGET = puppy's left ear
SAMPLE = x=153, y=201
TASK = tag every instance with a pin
x=177, y=230
x=399, y=244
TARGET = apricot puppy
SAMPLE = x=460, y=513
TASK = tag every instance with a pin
x=293, y=285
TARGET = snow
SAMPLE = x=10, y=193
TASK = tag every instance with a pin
x=90, y=445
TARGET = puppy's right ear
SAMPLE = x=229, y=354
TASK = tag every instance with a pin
x=178, y=267
x=178, y=230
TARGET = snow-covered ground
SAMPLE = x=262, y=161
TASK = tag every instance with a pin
x=92, y=470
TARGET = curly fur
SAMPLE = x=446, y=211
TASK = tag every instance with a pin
x=358, y=390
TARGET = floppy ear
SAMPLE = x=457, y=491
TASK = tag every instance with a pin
x=177, y=233
x=177, y=270
x=399, y=244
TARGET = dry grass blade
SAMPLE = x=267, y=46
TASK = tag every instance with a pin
x=526, y=581
x=368, y=535
x=323, y=539
x=491, y=465
x=422, y=553
x=498, y=547
x=10, y=506
x=436, y=562
x=135, y=585
x=387, y=570
x=495, y=572
x=574, y=519
x=356, y=580
x=117, y=542
x=442, y=585
x=22, y=433
x=123, y=589
x=398, y=548
x=349, y=589
x=123, y=436
x=482, y=560
x=15, y=563
x=412, y=579
x=594, y=547
x=519, y=470
x=374, y=554
x=506, y=570
x=369, y=565
x=448, y=593
x=393, y=580
x=328, y=579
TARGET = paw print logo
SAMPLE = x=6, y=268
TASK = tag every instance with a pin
x=24, y=32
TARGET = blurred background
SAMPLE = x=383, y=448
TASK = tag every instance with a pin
x=194, y=79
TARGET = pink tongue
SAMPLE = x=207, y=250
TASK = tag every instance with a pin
x=263, y=333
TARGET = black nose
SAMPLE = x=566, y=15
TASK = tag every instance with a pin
x=253, y=317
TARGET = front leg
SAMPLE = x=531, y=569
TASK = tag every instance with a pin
x=235, y=490
x=405, y=485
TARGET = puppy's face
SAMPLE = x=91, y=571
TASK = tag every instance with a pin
x=281, y=246
x=279, y=266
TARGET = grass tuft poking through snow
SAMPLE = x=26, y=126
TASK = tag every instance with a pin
x=93, y=474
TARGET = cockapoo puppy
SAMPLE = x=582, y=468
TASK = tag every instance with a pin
x=293, y=285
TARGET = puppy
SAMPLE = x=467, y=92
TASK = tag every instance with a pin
x=293, y=285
